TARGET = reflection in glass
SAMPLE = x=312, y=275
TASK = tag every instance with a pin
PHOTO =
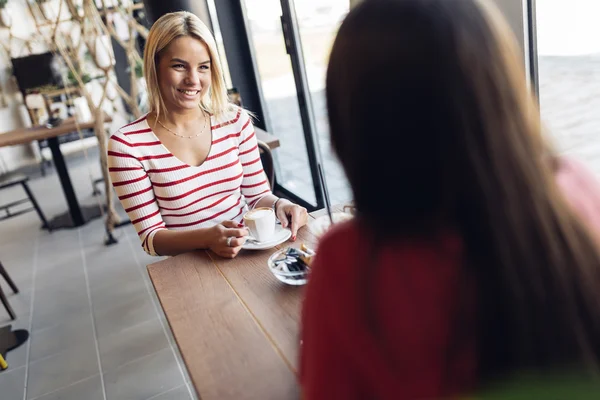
x=318, y=21
x=279, y=92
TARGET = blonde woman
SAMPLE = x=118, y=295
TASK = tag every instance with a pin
x=188, y=170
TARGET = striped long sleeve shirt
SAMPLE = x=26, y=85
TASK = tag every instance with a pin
x=159, y=191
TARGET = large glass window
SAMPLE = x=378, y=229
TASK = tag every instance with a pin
x=279, y=92
x=318, y=23
x=290, y=42
x=568, y=43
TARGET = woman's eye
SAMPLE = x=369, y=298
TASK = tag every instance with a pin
x=205, y=67
x=178, y=66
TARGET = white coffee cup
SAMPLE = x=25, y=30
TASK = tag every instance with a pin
x=261, y=223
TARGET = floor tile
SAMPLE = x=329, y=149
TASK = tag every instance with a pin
x=60, y=337
x=92, y=233
x=51, y=255
x=70, y=271
x=144, y=378
x=114, y=319
x=17, y=251
x=98, y=255
x=114, y=276
x=56, y=263
x=117, y=292
x=70, y=288
x=60, y=304
x=180, y=393
x=61, y=370
x=62, y=238
x=12, y=383
x=144, y=259
x=131, y=344
x=88, y=389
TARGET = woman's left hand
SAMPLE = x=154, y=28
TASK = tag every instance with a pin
x=291, y=215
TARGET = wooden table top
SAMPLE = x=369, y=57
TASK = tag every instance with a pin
x=271, y=140
x=40, y=132
x=235, y=324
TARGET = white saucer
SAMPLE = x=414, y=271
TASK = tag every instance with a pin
x=280, y=236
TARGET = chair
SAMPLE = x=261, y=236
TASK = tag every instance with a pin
x=266, y=158
x=3, y=296
x=18, y=179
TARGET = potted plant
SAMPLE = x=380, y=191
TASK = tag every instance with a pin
x=5, y=16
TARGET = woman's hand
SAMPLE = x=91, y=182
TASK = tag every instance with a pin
x=228, y=238
x=291, y=215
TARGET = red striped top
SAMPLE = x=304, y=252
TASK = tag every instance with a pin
x=159, y=191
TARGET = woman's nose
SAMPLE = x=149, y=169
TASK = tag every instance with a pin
x=193, y=77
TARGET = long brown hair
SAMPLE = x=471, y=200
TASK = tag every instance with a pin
x=429, y=98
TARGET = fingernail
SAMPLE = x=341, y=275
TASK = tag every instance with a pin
x=293, y=238
x=240, y=225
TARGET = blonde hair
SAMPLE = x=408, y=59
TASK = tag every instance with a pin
x=168, y=28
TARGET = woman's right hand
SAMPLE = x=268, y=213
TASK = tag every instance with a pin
x=221, y=233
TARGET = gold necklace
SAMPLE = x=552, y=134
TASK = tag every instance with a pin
x=188, y=137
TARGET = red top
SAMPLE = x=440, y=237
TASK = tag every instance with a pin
x=415, y=309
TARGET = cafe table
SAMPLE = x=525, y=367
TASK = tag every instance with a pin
x=236, y=325
x=77, y=214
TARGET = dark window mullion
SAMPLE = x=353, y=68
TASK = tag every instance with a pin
x=293, y=45
x=533, y=53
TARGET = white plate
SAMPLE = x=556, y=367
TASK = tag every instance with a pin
x=280, y=236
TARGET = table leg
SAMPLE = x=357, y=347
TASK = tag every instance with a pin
x=75, y=212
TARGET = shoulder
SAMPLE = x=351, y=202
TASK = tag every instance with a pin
x=118, y=141
x=340, y=234
x=340, y=250
x=573, y=175
x=133, y=134
x=135, y=126
x=581, y=190
x=236, y=118
x=123, y=139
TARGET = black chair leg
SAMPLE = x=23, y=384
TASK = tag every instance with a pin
x=7, y=305
x=36, y=206
x=7, y=278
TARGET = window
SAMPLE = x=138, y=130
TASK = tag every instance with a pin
x=568, y=47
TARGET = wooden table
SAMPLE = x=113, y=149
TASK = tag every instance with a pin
x=271, y=140
x=235, y=324
x=77, y=215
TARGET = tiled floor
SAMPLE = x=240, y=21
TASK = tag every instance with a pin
x=97, y=329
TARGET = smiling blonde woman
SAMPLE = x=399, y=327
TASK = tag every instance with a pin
x=187, y=172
